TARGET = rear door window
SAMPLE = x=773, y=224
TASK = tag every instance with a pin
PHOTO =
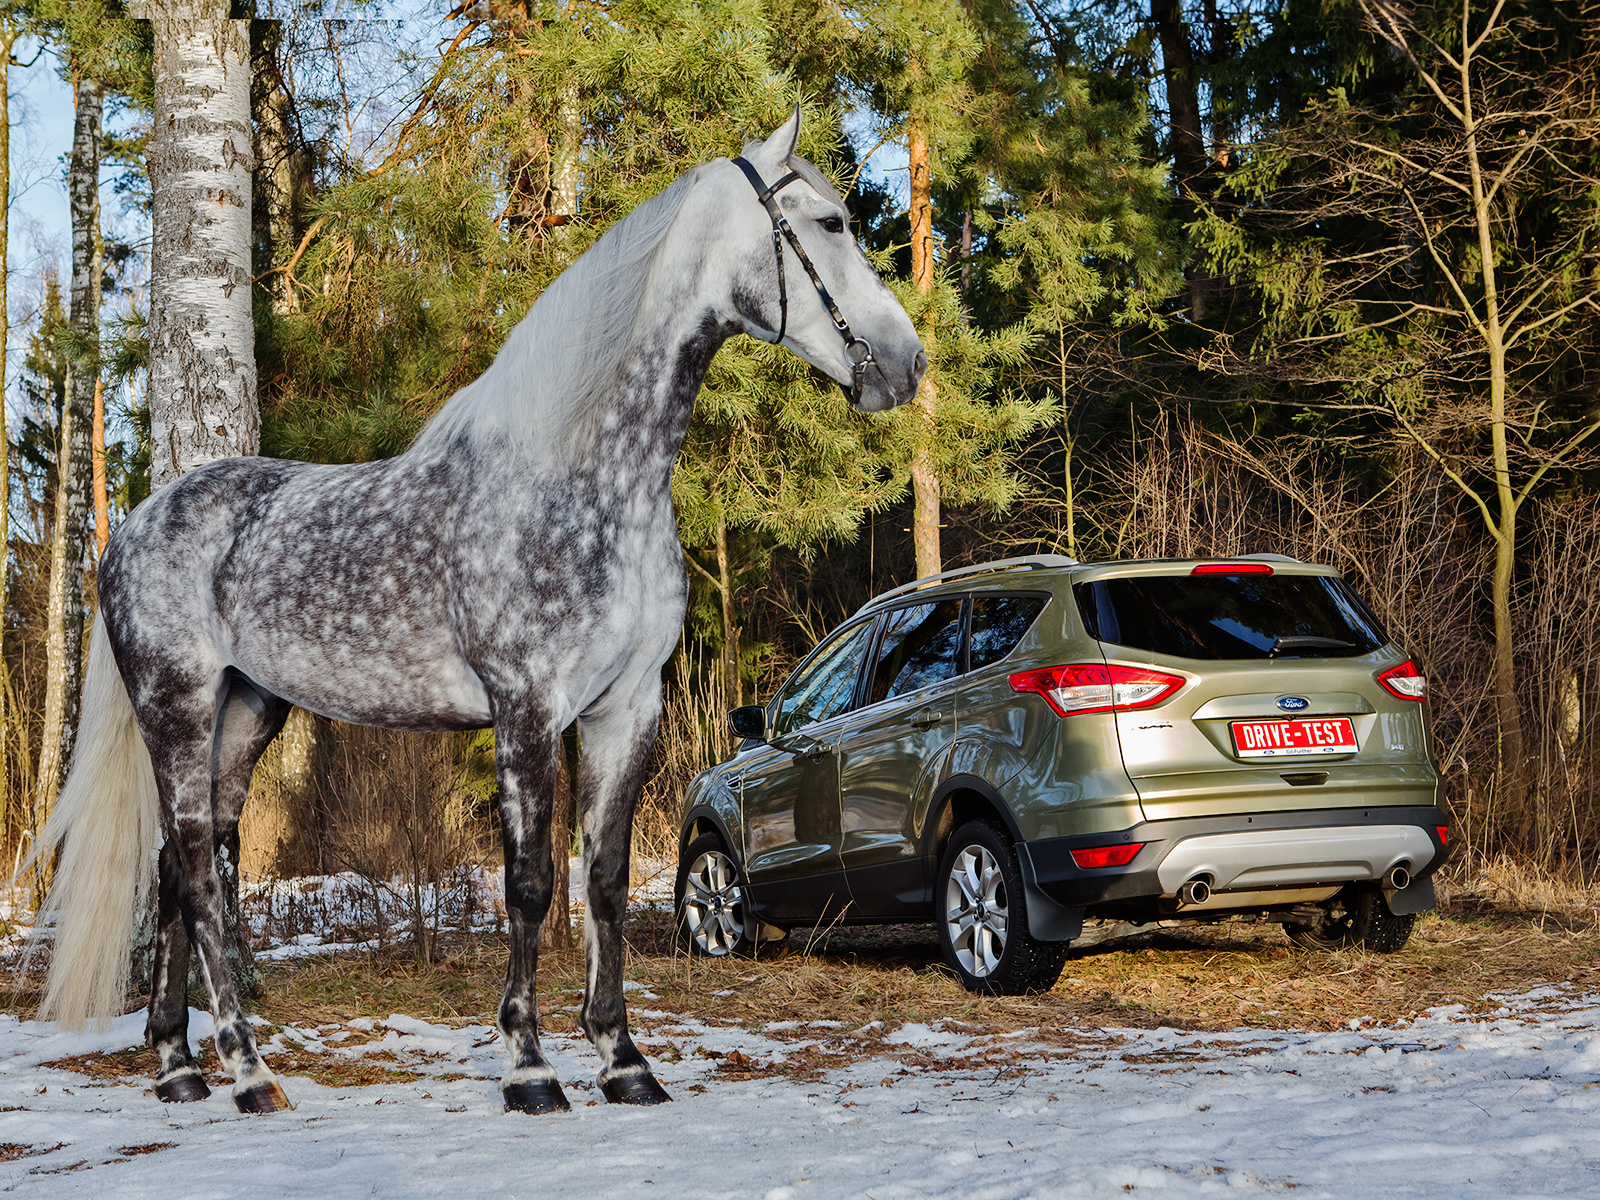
x=998, y=623
x=1230, y=616
x=920, y=646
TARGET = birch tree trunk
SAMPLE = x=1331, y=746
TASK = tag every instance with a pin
x=202, y=341
x=8, y=37
x=924, y=475
x=64, y=611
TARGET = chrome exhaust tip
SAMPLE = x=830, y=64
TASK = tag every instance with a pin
x=1398, y=878
x=1196, y=891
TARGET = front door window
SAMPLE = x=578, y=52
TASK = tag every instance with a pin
x=824, y=687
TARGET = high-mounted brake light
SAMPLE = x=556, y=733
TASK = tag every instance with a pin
x=1232, y=569
x=1097, y=687
x=1405, y=681
x=1119, y=855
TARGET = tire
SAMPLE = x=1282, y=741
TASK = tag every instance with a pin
x=1362, y=919
x=708, y=902
x=983, y=917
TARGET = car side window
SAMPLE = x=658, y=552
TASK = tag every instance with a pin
x=826, y=686
x=998, y=623
x=921, y=645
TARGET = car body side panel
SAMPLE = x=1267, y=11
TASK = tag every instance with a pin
x=889, y=765
x=791, y=815
x=1058, y=775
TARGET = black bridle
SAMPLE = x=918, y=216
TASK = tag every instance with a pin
x=853, y=345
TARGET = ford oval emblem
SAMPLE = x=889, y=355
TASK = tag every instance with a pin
x=1293, y=703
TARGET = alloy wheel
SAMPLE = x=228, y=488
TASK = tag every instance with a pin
x=713, y=904
x=976, y=911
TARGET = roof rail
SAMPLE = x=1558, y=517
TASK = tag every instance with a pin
x=1032, y=562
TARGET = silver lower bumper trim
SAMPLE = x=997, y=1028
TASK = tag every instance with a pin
x=1285, y=857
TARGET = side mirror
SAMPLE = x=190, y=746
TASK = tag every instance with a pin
x=749, y=721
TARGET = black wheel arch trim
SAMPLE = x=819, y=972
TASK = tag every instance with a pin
x=1048, y=920
x=704, y=812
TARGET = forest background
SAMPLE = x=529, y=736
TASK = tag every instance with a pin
x=1315, y=277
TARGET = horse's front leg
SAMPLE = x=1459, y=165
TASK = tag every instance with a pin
x=616, y=752
x=525, y=761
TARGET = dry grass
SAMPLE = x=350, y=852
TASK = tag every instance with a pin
x=868, y=982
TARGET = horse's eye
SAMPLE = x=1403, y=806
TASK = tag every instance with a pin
x=833, y=224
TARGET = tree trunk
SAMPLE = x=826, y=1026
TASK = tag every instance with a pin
x=64, y=616
x=1188, y=140
x=1507, y=708
x=283, y=174
x=732, y=683
x=8, y=37
x=564, y=164
x=202, y=343
x=102, y=511
x=202, y=340
x=556, y=933
x=924, y=475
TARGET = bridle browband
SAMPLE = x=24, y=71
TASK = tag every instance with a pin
x=781, y=232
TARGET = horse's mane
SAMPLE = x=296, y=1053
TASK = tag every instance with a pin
x=570, y=345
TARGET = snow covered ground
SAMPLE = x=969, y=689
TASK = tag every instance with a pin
x=1498, y=1105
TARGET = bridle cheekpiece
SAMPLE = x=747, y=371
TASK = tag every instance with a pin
x=858, y=350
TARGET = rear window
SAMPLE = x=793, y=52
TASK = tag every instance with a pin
x=1230, y=616
x=998, y=623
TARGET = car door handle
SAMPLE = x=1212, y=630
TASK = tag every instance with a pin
x=927, y=718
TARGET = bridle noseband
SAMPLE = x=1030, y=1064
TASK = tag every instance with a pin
x=858, y=350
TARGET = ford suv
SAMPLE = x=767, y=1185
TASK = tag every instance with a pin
x=1039, y=753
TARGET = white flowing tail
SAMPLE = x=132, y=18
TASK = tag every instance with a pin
x=104, y=821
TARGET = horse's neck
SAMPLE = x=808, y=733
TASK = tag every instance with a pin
x=636, y=427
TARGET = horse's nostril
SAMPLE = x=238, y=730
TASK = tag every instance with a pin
x=919, y=364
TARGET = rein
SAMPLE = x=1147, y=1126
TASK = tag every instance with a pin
x=781, y=232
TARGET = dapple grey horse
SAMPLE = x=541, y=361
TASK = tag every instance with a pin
x=518, y=567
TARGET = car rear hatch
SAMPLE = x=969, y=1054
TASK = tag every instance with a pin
x=1281, y=706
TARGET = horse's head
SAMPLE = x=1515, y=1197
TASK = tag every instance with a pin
x=801, y=279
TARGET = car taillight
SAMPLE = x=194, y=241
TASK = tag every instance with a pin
x=1119, y=855
x=1232, y=569
x=1444, y=834
x=1405, y=681
x=1097, y=687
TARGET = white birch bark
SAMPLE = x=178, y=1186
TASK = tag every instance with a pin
x=202, y=342
x=8, y=37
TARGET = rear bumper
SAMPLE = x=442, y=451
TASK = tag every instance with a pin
x=1244, y=853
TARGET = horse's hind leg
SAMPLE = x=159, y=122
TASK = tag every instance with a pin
x=203, y=753
x=525, y=754
x=616, y=752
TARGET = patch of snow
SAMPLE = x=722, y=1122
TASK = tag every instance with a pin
x=1448, y=1104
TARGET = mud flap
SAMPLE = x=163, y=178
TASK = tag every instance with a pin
x=1414, y=899
x=1048, y=920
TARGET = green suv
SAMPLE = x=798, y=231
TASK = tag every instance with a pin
x=1039, y=753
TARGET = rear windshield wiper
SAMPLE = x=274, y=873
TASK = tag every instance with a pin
x=1306, y=642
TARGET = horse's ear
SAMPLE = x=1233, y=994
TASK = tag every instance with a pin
x=784, y=138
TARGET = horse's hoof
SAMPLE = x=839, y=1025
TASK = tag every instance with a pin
x=634, y=1089
x=535, y=1096
x=182, y=1089
x=266, y=1097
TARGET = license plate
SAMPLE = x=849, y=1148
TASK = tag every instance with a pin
x=1281, y=739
